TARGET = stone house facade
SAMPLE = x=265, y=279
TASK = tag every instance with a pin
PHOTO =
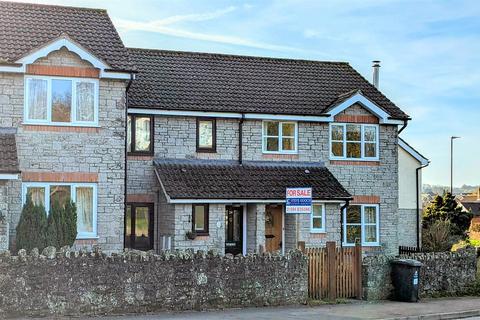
x=174, y=150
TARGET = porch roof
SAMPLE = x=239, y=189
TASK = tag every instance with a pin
x=8, y=153
x=197, y=179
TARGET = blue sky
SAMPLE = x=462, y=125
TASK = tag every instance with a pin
x=430, y=53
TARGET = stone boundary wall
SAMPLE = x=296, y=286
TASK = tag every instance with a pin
x=442, y=274
x=72, y=283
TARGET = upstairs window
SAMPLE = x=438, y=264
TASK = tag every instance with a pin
x=206, y=135
x=353, y=141
x=279, y=137
x=139, y=134
x=61, y=101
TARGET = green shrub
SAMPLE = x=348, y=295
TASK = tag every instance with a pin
x=62, y=225
x=438, y=236
x=31, y=229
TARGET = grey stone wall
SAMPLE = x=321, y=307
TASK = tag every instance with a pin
x=100, y=152
x=442, y=274
x=92, y=283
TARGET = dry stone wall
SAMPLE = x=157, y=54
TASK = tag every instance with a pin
x=73, y=283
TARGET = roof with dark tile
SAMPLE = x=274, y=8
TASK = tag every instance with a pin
x=473, y=206
x=8, y=153
x=227, y=83
x=25, y=27
x=184, y=179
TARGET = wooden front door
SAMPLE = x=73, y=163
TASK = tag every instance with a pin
x=233, y=230
x=139, y=226
x=273, y=228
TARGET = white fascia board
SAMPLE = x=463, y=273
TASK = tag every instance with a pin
x=8, y=176
x=232, y=115
x=71, y=46
x=366, y=103
x=114, y=75
x=185, y=201
x=423, y=161
x=12, y=69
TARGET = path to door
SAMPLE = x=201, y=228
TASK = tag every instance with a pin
x=427, y=309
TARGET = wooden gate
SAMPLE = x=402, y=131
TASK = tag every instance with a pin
x=334, y=272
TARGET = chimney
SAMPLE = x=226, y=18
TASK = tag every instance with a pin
x=376, y=72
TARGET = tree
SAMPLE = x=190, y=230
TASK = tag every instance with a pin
x=446, y=209
x=31, y=229
x=62, y=225
x=438, y=236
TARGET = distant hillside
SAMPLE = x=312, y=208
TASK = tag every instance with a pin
x=438, y=189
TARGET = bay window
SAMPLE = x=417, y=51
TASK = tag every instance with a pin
x=83, y=194
x=361, y=225
x=353, y=141
x=279, y=137
x=317, y=219
x=61, y=101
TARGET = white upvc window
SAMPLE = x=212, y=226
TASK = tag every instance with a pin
x=279, y=137
x=352, y=141
x=61, y=101
x=83, y=194
x=361, y=223
x=317, y=218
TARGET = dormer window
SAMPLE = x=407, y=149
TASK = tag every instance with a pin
x=61, y=101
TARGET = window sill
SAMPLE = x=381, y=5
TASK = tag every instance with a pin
x=206, y=151
x=60, y=128
x=372, y=163
x=363, y=245
x=318, y=232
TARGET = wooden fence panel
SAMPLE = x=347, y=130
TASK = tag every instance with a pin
x=334, y=272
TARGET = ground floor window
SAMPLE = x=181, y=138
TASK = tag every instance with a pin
x=200, y=219
x=361, y=224
x=317, y=218
x=139, y=226
x=83, y=194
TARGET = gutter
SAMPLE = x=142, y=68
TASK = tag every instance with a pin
x=417, y=189
x=405, y=123
x=132, y=76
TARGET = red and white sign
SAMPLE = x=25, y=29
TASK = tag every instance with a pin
x=299, y=200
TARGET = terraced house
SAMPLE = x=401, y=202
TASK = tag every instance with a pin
x=173, y=150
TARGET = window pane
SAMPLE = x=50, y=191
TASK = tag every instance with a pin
x=129, y=134
x=354, y=233
x=37, y=99
x=354, y=214
x=272, y=144
x=371, y=233
x=337, y=133
x=61, y=100
x=84, y=202
x=370, y=150
x=353, y=132
x=271, y=128
x=60, y=194
x=317, y=223
x=288, y=129
x=85, y=101
x=317, y=211
x=370, y=133
x=288, y=144
x=199, y=218
x=141, y=222
x=353, y=150
x=205, y=131
x=370, y=214
x=337, y=149
x=142, y=134
x=37, y=194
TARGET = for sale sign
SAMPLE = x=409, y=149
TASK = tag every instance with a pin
x=299, y=200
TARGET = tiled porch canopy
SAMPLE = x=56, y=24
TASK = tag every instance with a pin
x=185, y=179
x=8, y=152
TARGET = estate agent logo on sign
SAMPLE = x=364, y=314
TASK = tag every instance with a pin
x=299, y=200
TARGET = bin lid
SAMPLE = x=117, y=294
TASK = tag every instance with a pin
x=408, y=262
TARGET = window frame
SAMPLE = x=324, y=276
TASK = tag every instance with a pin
x=73, y=122
x=73, y=197
x=133, y=135
x=362, y=141
x=151, y=218
x=362, y=225
x=280, y=137
x=205, y=231
x=323, y=228
x=213, y=149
